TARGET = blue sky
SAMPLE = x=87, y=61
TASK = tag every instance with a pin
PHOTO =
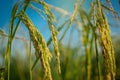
x=6, y=7
x=68, y=5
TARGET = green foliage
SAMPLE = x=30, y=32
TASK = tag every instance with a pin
x=82, y=62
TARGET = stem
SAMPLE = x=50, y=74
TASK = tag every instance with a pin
x=30, y=59
x=97, y=59
x=10, y=39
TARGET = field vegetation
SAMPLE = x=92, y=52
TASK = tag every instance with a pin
x=80, y=45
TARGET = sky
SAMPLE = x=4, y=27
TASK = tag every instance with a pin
x=6, y=7
x=68, y=5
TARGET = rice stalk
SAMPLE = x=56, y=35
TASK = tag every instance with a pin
x=2, y=73
x=51, y=19
x=70, y=20
x=111, y=8
x=50, y=16
x=39, y=45
x=95, y=39
x=60, y=10
x=108, y=51
x=18, y=23
x=75, y=11
x=86, y=44
x=39, y=11
x=8, y=50
x=30, y=61
x=59, y=29
x=64, y=33
x=97, y=57
x=11, y=36
x=96, y=49
x=82, y=2
x=16, y=37
x=38, y=57
x=92, y=10
x=87, y=49
x=54, y=38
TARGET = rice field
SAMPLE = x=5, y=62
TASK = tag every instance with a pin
x=79, y=46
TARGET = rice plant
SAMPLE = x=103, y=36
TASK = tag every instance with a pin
x=91, y=27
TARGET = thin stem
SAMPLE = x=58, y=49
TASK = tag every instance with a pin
x=10, y=39
x=97, y=59
x=30, y=59
x=96, y=46
x=18, y=24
